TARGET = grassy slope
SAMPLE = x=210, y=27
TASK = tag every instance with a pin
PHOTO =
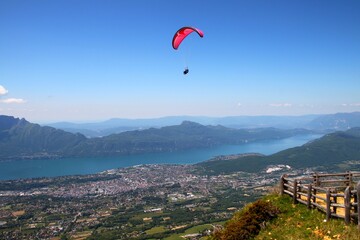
x=297, y=222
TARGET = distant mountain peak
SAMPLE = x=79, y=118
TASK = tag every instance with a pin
x=7, y=122
x=337, y=121
x=190, y=123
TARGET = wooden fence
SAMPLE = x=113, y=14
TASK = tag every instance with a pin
x=335, y=194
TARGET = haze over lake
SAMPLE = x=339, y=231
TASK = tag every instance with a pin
x=72, y=166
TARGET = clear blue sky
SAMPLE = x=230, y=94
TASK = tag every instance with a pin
x=89, y=60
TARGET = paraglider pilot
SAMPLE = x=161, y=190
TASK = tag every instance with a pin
x=180, y=35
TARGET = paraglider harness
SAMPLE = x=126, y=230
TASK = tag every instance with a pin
x=186, y=71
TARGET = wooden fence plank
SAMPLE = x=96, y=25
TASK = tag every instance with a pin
x=311, y=193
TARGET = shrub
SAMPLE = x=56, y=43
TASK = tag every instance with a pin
x=247, y=223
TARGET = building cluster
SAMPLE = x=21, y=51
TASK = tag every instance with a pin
x=74, y=204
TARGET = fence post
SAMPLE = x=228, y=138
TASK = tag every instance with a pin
x=282, y=181
x=316, y=180
x=351, y=179
x=348, y=178
x=295, y=191
x=309, y=196
x=328, y=203
x=358, y=200
x=347, y=197
x=314, y=195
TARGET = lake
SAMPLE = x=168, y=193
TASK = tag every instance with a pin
x=72, y=166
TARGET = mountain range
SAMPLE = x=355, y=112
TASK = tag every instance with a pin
x=22, y=139
x=19, y=138
x=328, y=122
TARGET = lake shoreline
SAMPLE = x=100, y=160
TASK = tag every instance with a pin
x=35, y=168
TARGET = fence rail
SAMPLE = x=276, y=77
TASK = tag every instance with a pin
x=337, y=195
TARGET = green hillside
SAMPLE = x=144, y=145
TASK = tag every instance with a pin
x=329, y=150
x=293, y=222
x=22, y=139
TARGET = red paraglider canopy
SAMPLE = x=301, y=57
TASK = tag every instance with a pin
x=182, y=33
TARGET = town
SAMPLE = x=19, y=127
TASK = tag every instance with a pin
x=140, y=202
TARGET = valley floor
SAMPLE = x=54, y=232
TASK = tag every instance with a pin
x=142, y=202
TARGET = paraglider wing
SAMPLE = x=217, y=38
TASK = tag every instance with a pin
x=182, y=33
